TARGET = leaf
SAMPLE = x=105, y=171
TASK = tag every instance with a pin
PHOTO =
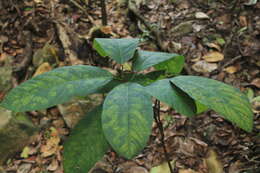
x=173, y=96
x=86, y=144
x=173, y=66
x=213, y=164
x=120, y=50
x=145, y=59
x=144, y=79
x=54, y=87
x=213, y=56
x=222, y=98
x=200, y=107
x=127, y=119
x=162, y=168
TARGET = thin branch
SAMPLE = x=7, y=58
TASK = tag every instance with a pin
x=161, y=130
x=103, y=12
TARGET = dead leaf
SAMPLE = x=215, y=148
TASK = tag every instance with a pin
x=201, y=15
x=106, y=29
x=213, y=56
x=231, y=69
x=24, y=168
x=45, y=67
x=256, y=82
x=213, y=45
x=137, y=169
x=243, y=21
x=25, y=152
x=162, y=168
x=52, y=144
x=53, y=166
x=204, y=67
x=214, y=165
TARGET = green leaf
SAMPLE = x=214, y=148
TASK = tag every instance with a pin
x=127, y=119
x=173, y=96
x=86, y=144
x=172, y=66
x=222, y=98
x=200, y=107
x=56, y=87
x=120, y=50
x=145, y=59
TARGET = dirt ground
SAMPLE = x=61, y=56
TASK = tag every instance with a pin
x=219, y=39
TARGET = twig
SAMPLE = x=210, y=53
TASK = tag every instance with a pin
x=132, y=7
x=84, y=10
x=161, y=130
x=103, y=12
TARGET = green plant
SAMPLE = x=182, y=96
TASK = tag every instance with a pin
x=124, y=120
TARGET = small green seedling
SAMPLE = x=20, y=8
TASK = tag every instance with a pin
x=124, y=120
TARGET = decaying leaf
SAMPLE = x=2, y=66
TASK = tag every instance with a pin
x=204, y=67
x=52, y=144
x=213, y=56
x=201, y=15
x=231, y=69
x=162, y=168
x=214, y=165
x=45, y=67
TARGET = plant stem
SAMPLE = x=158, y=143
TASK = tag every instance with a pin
x=104, y=12
x=161, y=130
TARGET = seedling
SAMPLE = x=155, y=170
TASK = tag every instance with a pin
x=124, y=120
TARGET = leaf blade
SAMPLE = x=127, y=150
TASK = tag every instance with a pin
x=145, y=59
x=54, y=87
x=127, y=119
x=86, y=144
x=224, y=99
x=173, y=96
x=120, y=50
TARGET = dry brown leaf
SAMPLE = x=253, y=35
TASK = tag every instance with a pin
x=201, y=15
x=52, y=144
x=231, y=69
x=256, y=82
x=243, y=21
x=106, y=29
x=204, y=67
x=53, y=166
x=214, y=45
x=45, y=67
x=214, y=165
x=213, y=56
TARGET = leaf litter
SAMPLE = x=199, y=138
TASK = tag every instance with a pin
x=205, y=31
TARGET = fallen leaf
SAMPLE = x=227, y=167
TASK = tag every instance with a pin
x=137, y=169
x=201, y=15
x=243, y=21
x=256, y=82
x=204, y=67
x=162, y=168
x=53, y=166
x=213, y=56
x=24, y=168
x=214, y=165
x=52, y=144
x=45, y=67
x=213, y=45
x=106, y=29
x=231, y=69
x=25, y=152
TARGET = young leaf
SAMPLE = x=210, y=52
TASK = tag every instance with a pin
x=55, y=87
x=172, y=66
x=145, y=59
x=86, y=144
x=120, y=50
x=173, y=96
x=127, y=119
x=222, y=98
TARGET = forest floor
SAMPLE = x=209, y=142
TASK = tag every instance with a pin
x=219, y=39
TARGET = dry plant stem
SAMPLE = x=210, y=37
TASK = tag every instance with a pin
x=104, y=12
x=160, y=126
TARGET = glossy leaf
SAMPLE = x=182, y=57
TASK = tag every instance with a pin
x=55, y=87
x=145, y=59
x=224, y=99
x=172, y=66
x=164, y=91
x=120, y=50
x=127, y=119
x=86, y=144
